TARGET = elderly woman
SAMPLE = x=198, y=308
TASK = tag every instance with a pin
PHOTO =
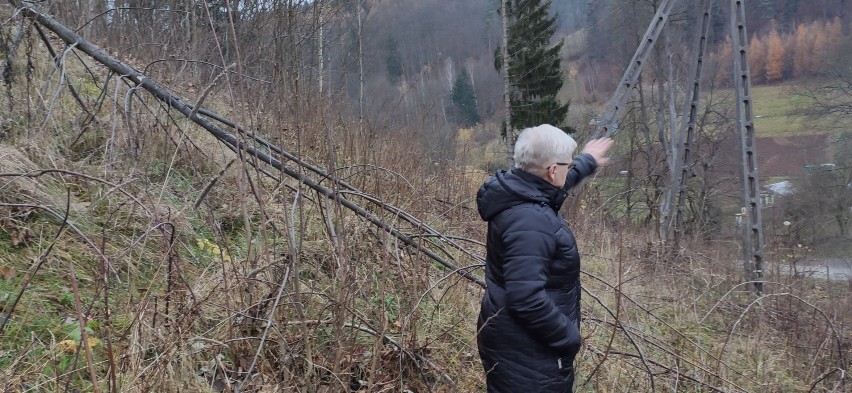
x=529, y=321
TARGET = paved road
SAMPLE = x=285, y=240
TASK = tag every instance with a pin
x=837, y=269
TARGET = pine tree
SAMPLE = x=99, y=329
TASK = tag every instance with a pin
x=393, y=60
x=535, y=71
x=464, y=100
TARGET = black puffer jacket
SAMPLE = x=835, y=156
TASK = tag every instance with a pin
x=529, y=323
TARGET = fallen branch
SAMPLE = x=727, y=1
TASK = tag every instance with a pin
x=826, y=375
x=418, y=360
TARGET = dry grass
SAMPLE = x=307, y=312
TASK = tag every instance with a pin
x=692, y=320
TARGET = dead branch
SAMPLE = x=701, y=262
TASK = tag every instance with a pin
x=667, y=370
x=82, y=320
x=668, y=325
x=5, y=71
x=210, y=185
x=826, y=375
x=74, y=227
x=263, y=338
x=617, y=325
x=415, y=357
x=116, y=187
x=207, y=90
x=207, y=63
x=11, y=308
x=835, y=335
x=58, y=63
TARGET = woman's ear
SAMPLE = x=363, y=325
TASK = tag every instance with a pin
x=551, y=173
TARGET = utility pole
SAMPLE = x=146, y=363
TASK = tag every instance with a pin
x=691, y=113
x=752, y=224
x=606, y=124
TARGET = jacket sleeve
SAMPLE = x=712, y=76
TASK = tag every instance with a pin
x=584, y=165
x=525, y=261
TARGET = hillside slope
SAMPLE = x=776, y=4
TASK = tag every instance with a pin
x=138, y=253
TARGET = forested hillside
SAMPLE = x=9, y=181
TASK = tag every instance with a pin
x=278, y=195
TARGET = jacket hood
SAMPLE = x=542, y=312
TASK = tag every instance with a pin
x=511, y=188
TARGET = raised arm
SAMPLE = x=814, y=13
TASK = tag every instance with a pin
x=594, y=155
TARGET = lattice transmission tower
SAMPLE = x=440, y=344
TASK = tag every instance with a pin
x=607, y=123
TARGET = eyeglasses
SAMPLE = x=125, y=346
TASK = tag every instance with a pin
x=569, y=165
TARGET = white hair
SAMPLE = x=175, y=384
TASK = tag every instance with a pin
x=539, y=147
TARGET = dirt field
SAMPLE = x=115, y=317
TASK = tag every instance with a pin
x=788, y=155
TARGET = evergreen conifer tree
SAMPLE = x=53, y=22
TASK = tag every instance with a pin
x=464, y=100
x=535, y=71
x=393, y=60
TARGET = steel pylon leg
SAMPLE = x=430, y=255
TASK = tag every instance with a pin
x=752, y=224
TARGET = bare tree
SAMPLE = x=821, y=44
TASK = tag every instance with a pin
x=507, y=84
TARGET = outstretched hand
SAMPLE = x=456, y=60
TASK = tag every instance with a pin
x=598, y=148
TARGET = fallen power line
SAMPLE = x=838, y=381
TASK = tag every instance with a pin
x=202, y=118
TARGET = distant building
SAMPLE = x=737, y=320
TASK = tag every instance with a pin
x=781, y=188
x=770, y=191
x=827, y=167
